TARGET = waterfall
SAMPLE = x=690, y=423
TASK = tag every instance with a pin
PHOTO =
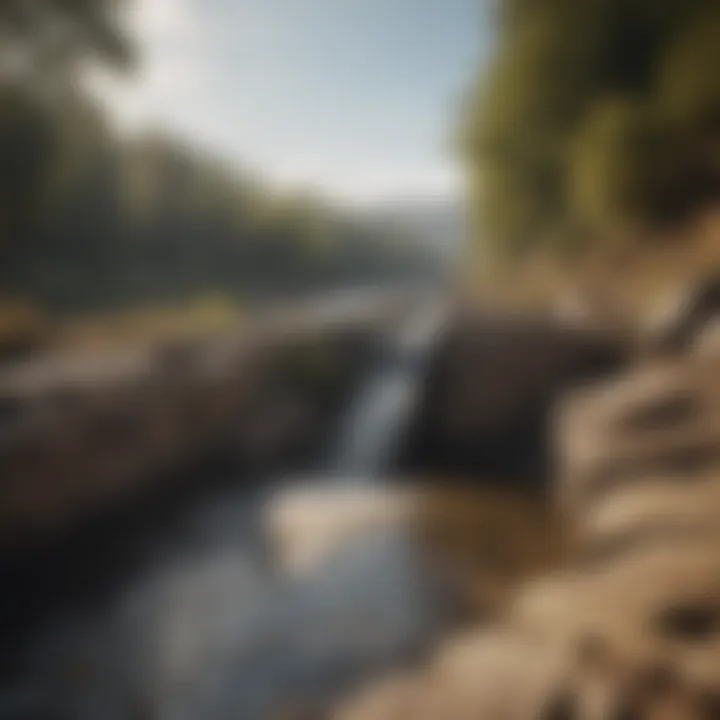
x=375, y=422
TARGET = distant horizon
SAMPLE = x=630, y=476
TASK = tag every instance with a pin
x=353, y=101
x=399, y=196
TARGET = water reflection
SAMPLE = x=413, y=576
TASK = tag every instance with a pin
x=213, y=630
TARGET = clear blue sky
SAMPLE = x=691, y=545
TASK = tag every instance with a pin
x=355, y=97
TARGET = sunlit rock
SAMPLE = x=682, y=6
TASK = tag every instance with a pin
x=660, y=421
x=647, y=511
x=405, y=696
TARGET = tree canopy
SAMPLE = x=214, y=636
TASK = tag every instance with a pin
x=594, y=116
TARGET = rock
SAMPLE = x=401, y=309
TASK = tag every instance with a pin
x=492, y=381
x=544, y=606
x=679, y=328
x=630, y=626
x=660, y=601
x=485, y=675
x=493, y=674
x=645, y=512
x=658, y=421
x=399, y=697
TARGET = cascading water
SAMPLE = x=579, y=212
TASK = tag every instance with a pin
x=376, y=421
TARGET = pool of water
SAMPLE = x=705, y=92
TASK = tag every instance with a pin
x=207, y=626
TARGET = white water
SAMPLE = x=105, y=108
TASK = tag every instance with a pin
x=376, y=421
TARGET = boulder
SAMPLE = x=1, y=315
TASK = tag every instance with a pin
x=679, y=327
x=645, y=512
x=493, y=380
x=662, y=420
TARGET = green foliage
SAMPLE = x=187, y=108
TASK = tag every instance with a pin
x=594, y=115
x=94, y=223
x=44, y=41
x=88, y=221
x=688, y=84
x=605, y=163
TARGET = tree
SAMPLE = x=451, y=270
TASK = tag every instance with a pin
x=594, y=113
x=44, y=41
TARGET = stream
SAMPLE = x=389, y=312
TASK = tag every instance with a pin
x=208, y=628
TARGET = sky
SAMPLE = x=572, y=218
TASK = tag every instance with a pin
x=355, y=99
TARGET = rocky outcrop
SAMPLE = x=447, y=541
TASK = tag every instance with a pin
x=659, y=424
x=629, y=626
x=678, y=329
x=493, y=381
x=80, y=436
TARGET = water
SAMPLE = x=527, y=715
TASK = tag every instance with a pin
x=376, y=422
x=207, y=627
x=211, y=633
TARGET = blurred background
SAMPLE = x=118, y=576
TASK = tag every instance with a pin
x=160, y=154
x=292, y=296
